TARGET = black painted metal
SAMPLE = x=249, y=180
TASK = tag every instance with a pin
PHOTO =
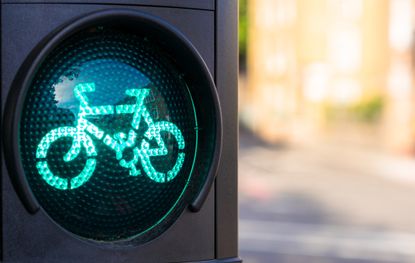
x=188, y=4
x=207, y=236
x=226, y=72
x=223, y=260
x=178, y=46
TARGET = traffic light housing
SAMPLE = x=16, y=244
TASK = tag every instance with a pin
x=116, y=122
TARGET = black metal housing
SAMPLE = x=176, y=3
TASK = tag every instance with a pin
x=209, y=28
x=174, y=42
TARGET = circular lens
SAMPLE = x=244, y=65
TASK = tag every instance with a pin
x=108, y=136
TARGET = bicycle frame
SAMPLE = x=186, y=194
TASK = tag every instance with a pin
x=118, y=143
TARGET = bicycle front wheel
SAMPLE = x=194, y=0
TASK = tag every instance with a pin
x=154, y=133
x=79, y=141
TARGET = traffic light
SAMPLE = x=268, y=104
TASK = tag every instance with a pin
x=119, y=131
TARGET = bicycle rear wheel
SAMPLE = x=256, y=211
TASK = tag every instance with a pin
x=55, y=180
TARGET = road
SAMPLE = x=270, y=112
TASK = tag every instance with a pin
x=327, y=201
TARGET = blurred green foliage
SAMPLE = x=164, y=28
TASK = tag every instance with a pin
x=243, y=30
x=367, y=110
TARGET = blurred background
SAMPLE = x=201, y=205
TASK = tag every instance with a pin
x=327, y=131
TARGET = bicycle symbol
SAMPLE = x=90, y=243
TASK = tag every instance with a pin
x=84, y=129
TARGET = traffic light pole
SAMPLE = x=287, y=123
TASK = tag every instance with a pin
x=227, y=82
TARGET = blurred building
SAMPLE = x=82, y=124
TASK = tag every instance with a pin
x=317, y=64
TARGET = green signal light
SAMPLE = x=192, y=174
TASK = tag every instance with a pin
x=108, y=137
x=119, y=142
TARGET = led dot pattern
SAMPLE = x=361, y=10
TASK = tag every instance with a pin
x=108, y=136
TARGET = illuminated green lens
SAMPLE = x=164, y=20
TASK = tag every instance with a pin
x=108, y=136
